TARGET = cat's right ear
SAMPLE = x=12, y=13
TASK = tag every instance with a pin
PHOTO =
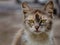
x=25, y=8
x=49, y=7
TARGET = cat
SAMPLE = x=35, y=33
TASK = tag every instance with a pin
x=37, y=28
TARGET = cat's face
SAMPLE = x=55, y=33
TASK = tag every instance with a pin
x=37, y=21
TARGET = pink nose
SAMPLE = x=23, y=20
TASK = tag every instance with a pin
x=36, y=27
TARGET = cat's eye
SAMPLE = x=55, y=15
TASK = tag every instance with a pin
x=31, y=21
x=43, y=21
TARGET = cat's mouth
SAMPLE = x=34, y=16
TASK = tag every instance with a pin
x=37, y=30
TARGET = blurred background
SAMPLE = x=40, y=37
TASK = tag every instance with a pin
x=11, y=18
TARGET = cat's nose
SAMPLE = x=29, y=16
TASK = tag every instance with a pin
x=36, y=27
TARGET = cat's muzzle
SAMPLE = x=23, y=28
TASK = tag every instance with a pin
x=37, y=27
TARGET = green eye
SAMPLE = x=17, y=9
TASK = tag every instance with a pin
x=43, y=21
x=31, y=21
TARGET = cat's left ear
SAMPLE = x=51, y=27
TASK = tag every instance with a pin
x=49, y=7
x=26, y=8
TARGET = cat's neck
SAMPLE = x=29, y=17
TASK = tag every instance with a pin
x=33, y=39
x=37, y=37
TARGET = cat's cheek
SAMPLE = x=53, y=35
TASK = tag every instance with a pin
x=32, y=29
x=26, y=25
x=42, y=29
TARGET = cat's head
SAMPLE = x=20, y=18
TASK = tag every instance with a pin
x=37, y=21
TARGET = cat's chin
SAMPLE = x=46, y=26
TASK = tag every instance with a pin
x=37, y=32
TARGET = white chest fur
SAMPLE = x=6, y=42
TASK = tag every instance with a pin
x=29, y=41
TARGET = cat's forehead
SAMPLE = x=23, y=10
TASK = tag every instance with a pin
x=33, y=17
x=38, y=11
x=38, y=14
